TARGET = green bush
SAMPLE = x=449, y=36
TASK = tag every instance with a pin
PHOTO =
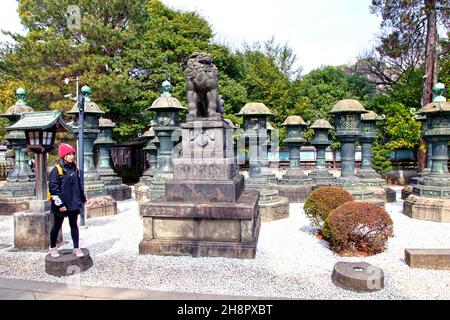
x=358, y=227
x=322, y=201
x=381, y=160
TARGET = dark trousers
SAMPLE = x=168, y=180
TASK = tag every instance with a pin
x=57, y=224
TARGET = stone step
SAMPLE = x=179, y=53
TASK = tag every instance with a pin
x=435, y=259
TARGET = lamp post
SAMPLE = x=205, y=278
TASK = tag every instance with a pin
x=431, y=194
x=320, y=174
x=255, y=117
x=295, y=129
x=31, y=229
x=368, y=135
x=86, y=91
x=166, y=122
x=21, y=181
x=348, y=130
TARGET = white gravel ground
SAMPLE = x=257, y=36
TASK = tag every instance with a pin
x=290, y=261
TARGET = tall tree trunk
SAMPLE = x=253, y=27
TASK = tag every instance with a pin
x=430, y=70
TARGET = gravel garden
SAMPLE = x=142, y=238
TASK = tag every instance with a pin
x=291, y=262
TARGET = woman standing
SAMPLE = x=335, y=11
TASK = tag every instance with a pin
x=67, y=197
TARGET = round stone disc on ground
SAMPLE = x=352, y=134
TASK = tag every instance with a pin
x=67, y=264
x=358, y=276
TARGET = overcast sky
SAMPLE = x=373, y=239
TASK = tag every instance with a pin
x=322, y=32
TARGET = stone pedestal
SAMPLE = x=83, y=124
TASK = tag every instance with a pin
x=406, y=192
x=361, y=192
x=32, y=230
x=377, y=186
x=272, y=206
x=385, y=194
x=99, y=203
x=322, y=177
x=432, y=259
x=10, y=205
x=357, y=276
x=115, y=186
x=100, y=207
x=67, y=264
x=205, y=211
x=209, y=229
x=424, y=208
x=140, y=192
x=294, y=193
x=370, y=178
x=295, y=185
x=119, y=192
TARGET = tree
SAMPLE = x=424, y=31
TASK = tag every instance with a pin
x=405, y=34
x=317, y=92
x=95, y=52
x=409, y=38
x=381, y=159
x=124, y=50
x=398, y=130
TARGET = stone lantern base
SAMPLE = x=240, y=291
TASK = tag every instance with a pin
x=100, y=207
x=156, y=190
x=322, y=177
x=295, y=193
x=373, y=181
x=140, y=188
x=407, y=191
x=430, y=199
x=9, y=206
x=361, y=192
x=119, y=192
x=99, y=203
x=114, y=185
x=211, y=229
x=295, y=185
x=384, y=193
x=370, y=177
x=140, y=192
x=272, y=206
x=424, y=208
x=32, y=228
x=15, y=196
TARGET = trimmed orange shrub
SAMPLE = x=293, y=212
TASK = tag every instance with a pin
x=322, y=201
x=358, y=227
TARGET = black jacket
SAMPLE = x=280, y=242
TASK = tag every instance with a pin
x=66, y=190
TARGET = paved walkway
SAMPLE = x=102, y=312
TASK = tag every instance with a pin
x=17, y=289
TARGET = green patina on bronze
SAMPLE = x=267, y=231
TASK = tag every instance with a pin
x=320, y=174
x=21, y=180
x=166, y=125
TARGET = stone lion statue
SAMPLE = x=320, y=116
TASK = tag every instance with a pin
x=202, y=86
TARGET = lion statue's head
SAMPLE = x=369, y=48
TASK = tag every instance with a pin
x=200, y=62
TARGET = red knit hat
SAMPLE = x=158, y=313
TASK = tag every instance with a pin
x=65, y=149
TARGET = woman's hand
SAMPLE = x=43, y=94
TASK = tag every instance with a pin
x=63, y=209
